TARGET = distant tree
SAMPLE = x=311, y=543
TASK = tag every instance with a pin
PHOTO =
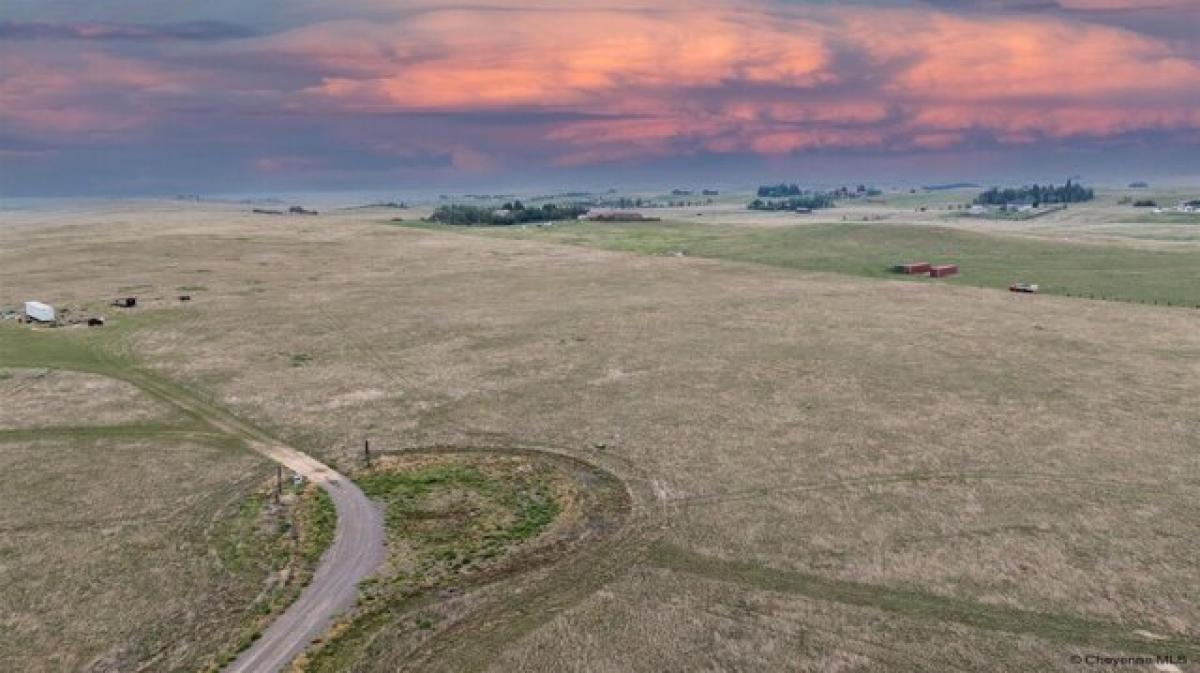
x=1036, y=194
x=511, y=213
x=779, y=190
x=813, y=201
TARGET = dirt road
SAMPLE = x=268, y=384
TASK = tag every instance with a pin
x=356, y=552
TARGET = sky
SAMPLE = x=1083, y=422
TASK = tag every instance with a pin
x=227, y=96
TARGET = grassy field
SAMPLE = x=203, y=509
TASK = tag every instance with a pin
x=1167, y=218
x=42, y=398
x=459, y=521
x=827, y=471
x=101, y=528
x=996, y=261
x=141, y=537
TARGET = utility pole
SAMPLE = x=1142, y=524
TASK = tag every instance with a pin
x=278, y=483
x=367, y=451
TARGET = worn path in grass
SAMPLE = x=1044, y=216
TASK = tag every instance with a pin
x=1065, y=629
x=357, y=548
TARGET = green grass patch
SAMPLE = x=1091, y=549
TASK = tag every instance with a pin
x=258, y=538
x=455, y=520
x=457, y=515
x=247, y=539
x=319, y=523
x=1165, y=218
x=1100, y=271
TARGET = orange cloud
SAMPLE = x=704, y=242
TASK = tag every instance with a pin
x=628, y=79
x=750, y=80
x=489, y=59
x=974, y=58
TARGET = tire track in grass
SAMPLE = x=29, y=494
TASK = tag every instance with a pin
x=1054, y=627
x=357, y=548
x=518, y=599
x=472, y=643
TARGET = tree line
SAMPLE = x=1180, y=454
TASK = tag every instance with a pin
x=513, y=212
x=1036, y=195
x=810, y=201
x=778, y=191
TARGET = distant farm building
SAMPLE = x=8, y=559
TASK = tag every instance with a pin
x=943, y=270
x=912, y=268
x=36, y=310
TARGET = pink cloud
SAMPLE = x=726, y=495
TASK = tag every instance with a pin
x=549, y=58
x=1127, y=4
x=745, y=79
x=82, y=92
x=629, y=79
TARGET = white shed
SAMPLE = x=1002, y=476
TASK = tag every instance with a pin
x=36, y=310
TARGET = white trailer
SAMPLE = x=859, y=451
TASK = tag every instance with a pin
x=36, y=310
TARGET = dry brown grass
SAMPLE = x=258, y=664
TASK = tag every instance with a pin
x=1030, y=453
x=40, y=398
x=111, y=553
x=656, y=620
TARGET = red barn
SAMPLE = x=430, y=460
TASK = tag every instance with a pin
x=912, y=268
x=943, y=270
